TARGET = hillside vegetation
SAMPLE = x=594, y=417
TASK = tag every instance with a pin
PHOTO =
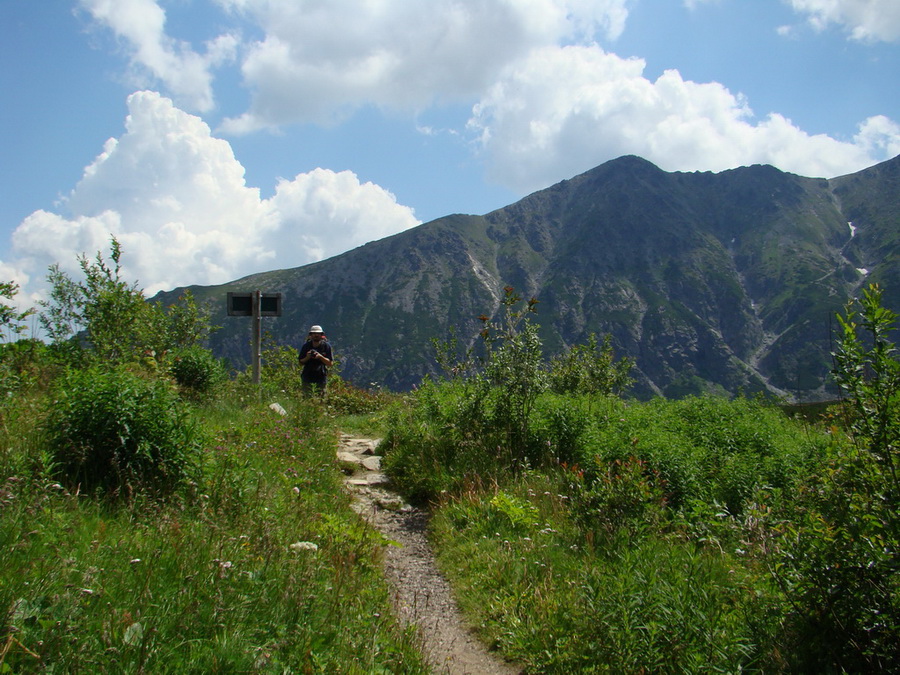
x=587, y=533
x=723, y=283
x=156, y=515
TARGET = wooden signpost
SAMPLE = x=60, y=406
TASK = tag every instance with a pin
x=255, y=304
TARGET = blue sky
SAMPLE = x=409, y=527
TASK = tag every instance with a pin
x=218, y=138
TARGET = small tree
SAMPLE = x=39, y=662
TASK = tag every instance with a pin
x=590, y=369
x=15, y=356
x=11, y=318
x=840, y=566
x=116, y=319
x=185, y=324
x=514, y=365
x=111, y=316
x=870, y=376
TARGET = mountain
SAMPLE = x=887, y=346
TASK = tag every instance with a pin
x=722, y=282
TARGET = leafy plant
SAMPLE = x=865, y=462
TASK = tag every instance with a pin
x=185, y=324
x=513, y=367
x=590, y=369
x=870, y=377
x=111, y=318
x=344, y=398
x=197, y=371
x=113, y=431
x=839, y=563
x=11, y=318
x=522, y=515
x=118, y=323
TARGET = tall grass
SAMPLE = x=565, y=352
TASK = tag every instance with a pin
x=621, y=536
x=259, y=565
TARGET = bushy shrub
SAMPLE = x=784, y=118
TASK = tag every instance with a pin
x=558, y=429
x=116, y=432
x=197, y=371
x=590, y=369
x=344, y=398
x=440, y=441
x=840, y=560
x=280, y=369
x=711, y=449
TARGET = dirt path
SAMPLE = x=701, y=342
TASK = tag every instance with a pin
x=422, y=596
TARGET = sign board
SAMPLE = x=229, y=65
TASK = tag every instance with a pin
x=241, y=304
x=270, y=304
x=256, y=304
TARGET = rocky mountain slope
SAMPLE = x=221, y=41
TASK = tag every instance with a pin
x=711, y=281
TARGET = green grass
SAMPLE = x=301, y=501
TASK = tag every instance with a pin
x=560, y=602
x=669, y=536
x=259, y=566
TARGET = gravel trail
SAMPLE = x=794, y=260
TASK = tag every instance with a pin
x=422, y=596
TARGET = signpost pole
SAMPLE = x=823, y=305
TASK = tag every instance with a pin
x=257, y=336
x=255, y=304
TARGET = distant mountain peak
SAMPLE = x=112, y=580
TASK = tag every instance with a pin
x=724, y=282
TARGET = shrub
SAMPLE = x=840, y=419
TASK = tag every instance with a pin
x=116, y=432
x=558, y=429
x=590, y=369
x=345, y=398
x=116, y=320
x=280, y=369
x=513, y=369
x=197, y=371
x=840, y=560
x=712, y=449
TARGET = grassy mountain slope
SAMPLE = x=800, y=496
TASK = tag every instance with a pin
x=711, y=281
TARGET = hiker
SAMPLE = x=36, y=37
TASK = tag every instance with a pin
x=316, y=357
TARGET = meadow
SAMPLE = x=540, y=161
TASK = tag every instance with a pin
x=585, y=532
x=157, y=515
x=255, y=564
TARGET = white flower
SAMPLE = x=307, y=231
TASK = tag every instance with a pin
x=303, y=546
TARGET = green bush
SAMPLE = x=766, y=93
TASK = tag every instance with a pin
x=590, y=369
x=116, y=432
x=559, y=427
x=344, y=398
x=197, y=371
x=711, y=449
x=839, y=560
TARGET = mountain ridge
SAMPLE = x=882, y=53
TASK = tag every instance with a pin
x=721, y=281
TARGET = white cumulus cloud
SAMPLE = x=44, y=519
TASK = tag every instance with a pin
x=318, y=61
x=141, y=24
x=866, y=20
x=175, y=198
x=562, y=111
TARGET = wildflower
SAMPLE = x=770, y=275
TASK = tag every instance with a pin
x=303, y=546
